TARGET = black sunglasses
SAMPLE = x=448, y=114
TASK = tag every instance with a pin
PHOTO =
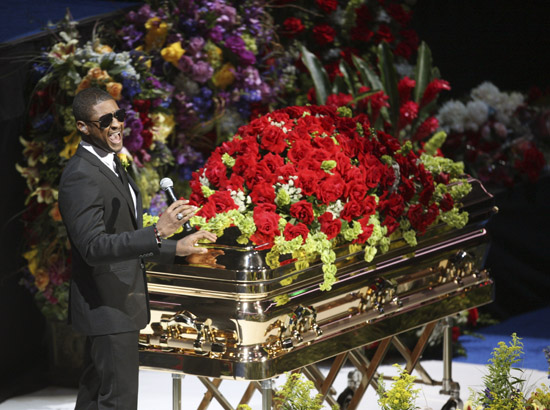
x=106, y=120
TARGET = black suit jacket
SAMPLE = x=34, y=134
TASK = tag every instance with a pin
x=108, y=291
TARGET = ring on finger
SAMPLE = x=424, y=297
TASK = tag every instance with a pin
x=179, y=216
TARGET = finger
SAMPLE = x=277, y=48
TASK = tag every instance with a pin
x=206, y=235
x=199, y=250
x=177, y=204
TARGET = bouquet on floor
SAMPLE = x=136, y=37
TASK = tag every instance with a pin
x=302, y=180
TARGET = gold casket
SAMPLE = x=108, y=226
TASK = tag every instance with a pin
x=226, y=314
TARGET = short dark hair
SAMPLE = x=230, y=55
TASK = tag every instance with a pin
x=86, y=99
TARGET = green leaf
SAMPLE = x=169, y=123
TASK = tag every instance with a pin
x=347, y=74
x=423, y=71
x=318, y=75
x=368, y=76
x=389, y=82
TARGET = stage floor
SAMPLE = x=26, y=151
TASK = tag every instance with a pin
x=156, y=390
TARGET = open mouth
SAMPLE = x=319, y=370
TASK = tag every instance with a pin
x=115, y=138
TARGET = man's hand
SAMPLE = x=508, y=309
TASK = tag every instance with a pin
x=186, y=246
x=169, y=223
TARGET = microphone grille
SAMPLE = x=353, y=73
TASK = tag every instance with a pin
x=166, y=183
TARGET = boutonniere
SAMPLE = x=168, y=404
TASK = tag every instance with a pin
x=124, y=160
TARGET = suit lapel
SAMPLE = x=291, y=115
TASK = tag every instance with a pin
x=139, y=205
x=110, y=175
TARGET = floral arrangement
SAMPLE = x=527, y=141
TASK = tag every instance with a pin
x=402, y=395
x=218, y=57
x=504, y=390
x=335, y=31
x=51, y=139
x=496, y=135
x=302, y=180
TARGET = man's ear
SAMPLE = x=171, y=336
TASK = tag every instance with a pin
x=82, y=127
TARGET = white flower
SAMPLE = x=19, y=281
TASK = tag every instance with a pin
x=477, y=115
x=335, y=209
x=452, y=116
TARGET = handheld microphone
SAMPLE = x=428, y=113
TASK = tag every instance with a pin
x=167, y=186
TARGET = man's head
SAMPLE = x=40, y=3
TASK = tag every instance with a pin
x=99, y=119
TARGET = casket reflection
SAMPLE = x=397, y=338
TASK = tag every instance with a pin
x=226, y=314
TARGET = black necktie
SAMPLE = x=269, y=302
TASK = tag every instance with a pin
x=122, y=174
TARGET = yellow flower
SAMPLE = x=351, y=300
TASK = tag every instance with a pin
x=224, y=76
x=156, y=33
x=31, y=174
x=102, y=49
x=163, y=125
x=71, y=144
x=32, y=260
x=125, y=159
x=172, y=53
x=33, y=151
x=114, y=89
x=41, y=279
x=45, y=194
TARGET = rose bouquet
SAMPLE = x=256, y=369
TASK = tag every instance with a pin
x=303, y=180
x=51, y=139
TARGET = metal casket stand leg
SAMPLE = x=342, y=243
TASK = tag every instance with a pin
x=267, y=394
x=448, y=386
x=176, y=390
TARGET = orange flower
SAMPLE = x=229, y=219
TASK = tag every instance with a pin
x=96, y=73
x=103, y=49
x=41, y=279
x=85, y=83
x=114, y=89
x=54, y=212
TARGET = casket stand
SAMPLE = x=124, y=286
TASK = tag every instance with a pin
x=227, y=315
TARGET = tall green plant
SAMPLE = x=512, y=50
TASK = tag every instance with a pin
x=383, y=78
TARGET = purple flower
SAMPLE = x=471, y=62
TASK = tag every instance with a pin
x=235, y=44
x=196, y=44
x=133, y=141
x=202, y=72
x=247, y=57
x=216, y=34
x=130, y=35
x=143, y=14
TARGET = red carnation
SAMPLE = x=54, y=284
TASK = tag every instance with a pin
x=307, y=181
x=352, y=209
x=222, y=201
x=303, y=211
x=267, y=225
x=216, y=171
x=273, y=139
x=328, y=6
x=339, y=100
x=361, y=33
x=391, y=223
x=293, y=231
x=384, y=34
x=367, y=230
x=293, y=26
x=356, y=190
x=432, y=91
x=407, y=113
x=446, y=203
x=324, y=34
x=263, y=192
x=393, y=205
x=329, y=226
x=331, y=189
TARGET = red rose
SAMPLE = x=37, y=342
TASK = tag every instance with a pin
x=300, y=150
x=222, y=201
x=393, y=205
x=263, y=192
x=293, y=26
x=367, y=230
x=215, y=170
x=267, y=225
x=361, y=33
x=398, y=12
x=293, y=231
x=356, y=190
x=329, y=226
x=369, y=206
x=391, y=223
x=324, y=34
x=303, y=211
x=331, y=189
x=407, y=189
x=328, y=6
x=307, y=181
x=273, y=139
x=352, y=209
x=446, y=203
x=207, y=211
x=272, y=162
x=384, y=34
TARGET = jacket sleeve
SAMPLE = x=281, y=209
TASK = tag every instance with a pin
x=81, y=203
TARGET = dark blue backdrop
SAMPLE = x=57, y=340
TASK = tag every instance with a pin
x=23, y=18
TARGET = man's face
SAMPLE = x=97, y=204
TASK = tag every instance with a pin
x=109, y=138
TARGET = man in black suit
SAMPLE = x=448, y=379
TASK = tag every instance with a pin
x=102, y=211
